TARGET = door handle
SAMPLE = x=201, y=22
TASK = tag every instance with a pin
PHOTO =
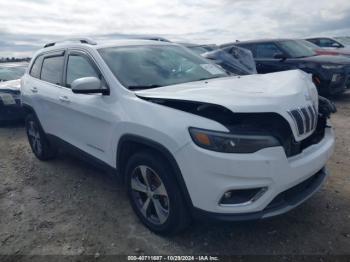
x=34, y=89
x=64, y=99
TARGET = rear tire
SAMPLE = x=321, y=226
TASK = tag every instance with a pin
x=154, y=193
x=38, y=140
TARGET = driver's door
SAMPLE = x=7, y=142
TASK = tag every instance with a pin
x=85, y=119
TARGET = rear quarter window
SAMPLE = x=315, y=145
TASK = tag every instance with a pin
x=36, y=67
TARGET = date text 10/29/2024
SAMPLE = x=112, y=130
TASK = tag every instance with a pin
x=173, y=258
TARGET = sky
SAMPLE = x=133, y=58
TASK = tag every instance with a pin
x=26, y=25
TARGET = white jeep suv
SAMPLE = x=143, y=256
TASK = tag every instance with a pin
x=189, y=140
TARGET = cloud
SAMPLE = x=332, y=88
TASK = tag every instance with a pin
x=28, y=24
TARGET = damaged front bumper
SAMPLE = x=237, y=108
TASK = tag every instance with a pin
x=209, y=175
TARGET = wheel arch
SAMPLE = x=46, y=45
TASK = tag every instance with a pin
x=30, y=110
x=129, y=144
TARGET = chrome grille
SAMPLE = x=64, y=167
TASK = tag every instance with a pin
x=305, y=119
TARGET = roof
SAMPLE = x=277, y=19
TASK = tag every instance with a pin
x=257, y=41
x=130, y=42
x=100, y=44
x=194, y=45
x=318, y=37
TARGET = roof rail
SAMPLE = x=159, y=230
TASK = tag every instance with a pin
x=83, y=40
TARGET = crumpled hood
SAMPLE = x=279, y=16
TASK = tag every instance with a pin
x=13, y=85
x=267, y=93
x=275, y=92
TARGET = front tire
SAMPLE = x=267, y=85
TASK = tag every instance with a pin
x=38, y=140
x=154, y=194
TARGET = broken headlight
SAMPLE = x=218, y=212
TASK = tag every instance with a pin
x=231, y=143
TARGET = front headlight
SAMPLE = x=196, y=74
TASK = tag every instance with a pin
x=332, y=66
x=231, y=143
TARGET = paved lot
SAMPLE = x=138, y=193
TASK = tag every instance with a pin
x=68, y=207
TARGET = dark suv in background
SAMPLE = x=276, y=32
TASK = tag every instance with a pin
x=331, y=74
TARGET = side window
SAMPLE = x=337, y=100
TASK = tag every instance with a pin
x=325, y=42
x=315, y=41
x=77, y=67
x=52, y=69
x=267, y=50
x=36, y=67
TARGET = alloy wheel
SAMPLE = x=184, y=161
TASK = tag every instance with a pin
x=34, y=137
x=150, y=195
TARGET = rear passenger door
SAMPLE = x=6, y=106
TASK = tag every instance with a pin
x=47, y=73
x=85, y=119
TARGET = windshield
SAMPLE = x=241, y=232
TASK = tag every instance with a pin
x=141, y=67
x=296, y=49
x=11, y=73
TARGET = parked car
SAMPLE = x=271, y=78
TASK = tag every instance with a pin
x=327, y=42
x=324, y=51
x=189, y=140
x=233, y=59
x=331, y=74
x=10, y=103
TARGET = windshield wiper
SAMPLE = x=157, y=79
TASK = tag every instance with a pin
x=143, y=87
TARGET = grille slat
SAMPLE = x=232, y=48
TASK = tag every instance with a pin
x=298, y=120
x=313, y=117
x=305, y=119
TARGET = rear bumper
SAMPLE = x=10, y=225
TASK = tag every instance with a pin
x=282, y=203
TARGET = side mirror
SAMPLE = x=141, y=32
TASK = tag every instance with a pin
x=280, y=56
x=88, y=85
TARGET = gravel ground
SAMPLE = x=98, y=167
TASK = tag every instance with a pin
x=68, y=207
